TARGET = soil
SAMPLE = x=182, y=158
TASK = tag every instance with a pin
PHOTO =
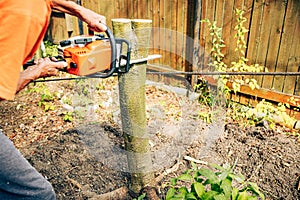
x=86, y=158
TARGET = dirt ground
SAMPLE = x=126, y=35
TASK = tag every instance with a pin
x=83, y=161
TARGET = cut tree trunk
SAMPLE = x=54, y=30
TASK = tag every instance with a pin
x=133, y=113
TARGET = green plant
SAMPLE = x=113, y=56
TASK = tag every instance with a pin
x=217, y=184
x=141, y=197
x=46, y=98
x=68, y=116
x=217, y=56
x=205, y=116
x=236, y=66
x=241, y=65
x=263, y=111
x=202, y=88
x=50, y=49
x=269, y=112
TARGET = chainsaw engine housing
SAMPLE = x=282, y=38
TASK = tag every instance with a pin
x=86, y=55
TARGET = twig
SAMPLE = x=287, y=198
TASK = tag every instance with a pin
x=167, y=171
x=188, y=158
x=75, y=183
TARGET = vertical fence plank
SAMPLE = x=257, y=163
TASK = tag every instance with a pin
x=130, y=9
x=232, y=55
x=228, y=34
x=202, y=54
x=285, y=45
x=180, y=37
x=156, y=32
x=142, y=10
x=168, y=34
x=57, y=27
x=121, y=10
x=210, y=13
x=277, y=22
x=135, y=13
x=247, y=7
x=173, y=41
x=289, y=86
x=219, y=13
x=254, y=32
x=162, y=41
x=262, y=45
x=185, y=37
x=254, y=26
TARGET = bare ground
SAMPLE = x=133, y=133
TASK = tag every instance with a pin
x=79, y=167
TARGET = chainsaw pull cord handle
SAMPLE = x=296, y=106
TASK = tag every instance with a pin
x=113, y=47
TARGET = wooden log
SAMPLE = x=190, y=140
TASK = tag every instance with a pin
x=133, y=112
x=122, y=29
x=142, y=29
x=132, y=92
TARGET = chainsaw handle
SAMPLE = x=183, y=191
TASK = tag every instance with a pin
x=113, y=57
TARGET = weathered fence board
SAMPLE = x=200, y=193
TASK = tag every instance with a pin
x=272, y=40
x=292, y=32
x=285, y=45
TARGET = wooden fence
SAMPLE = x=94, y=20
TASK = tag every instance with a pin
x=273, y=39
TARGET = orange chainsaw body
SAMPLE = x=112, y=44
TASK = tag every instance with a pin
x=89, y=58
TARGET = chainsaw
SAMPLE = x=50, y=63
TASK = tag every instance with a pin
x=94, y=56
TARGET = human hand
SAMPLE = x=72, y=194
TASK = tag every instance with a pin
x=44, y=68
x=94, y=21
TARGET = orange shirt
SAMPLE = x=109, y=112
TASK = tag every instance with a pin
x=23, y=25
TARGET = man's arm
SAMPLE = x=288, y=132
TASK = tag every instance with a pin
x=44, y=68
x=95, y=21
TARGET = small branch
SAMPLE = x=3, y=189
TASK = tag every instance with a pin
x=74, y=182
x=167, y=171
x=188, y=158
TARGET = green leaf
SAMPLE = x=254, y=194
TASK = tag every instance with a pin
x=226, y=186
x=254, y=188
x=234, y=194
x=170, y=193
x=220, y=197
x=173, y=181
x=224, y=175
x=239, y=178
x=190, y=196
x=198, y=188
x=185, y=177
x=194, y=166
x=243, y=196
x=210, y=195
x=211, y=176
x=183, y=190
x=142, y=196
x=178, y=197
